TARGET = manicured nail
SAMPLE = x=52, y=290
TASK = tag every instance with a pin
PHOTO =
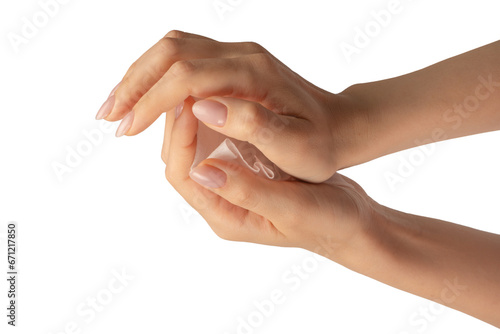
x=114, y=89
x=106, y=108
x=210, y=112
x=208, y=176
x=125, y=124
x=178, y=109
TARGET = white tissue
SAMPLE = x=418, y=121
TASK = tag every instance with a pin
x=211, y=144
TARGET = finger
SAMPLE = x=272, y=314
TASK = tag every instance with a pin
x=249, y=121
x=240, y=189
x=179, y=150
x=288, y=206
x=169, y=123
x=182, y=146
x=150, y=74
x=183, y=34
x=248, y=76
x=226, y=220
x=153, y=64
x=180, y=155
x=247, y=190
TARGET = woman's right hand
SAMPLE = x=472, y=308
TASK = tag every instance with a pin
x=448, y=263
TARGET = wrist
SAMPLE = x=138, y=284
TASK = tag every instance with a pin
x=393, y=115
x=352, y=127
x=381, y=236
x=355, y=229
x=391, y=245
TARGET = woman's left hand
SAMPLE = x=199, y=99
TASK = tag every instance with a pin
x=241, y=206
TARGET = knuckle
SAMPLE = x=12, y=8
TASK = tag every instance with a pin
x=173, y=178
x=234, y=168
x=201, y=201
x=168, y=173
x=246, y=198
x=131, y=69
x=264, y=136
x=175, y=34
x=182, y=68
x=253, y=47
x=224, y=234
x=263, y=61
x=253, y=122
x=129, y=91
x=171, y=47
x=164, y=157
x=154, y=69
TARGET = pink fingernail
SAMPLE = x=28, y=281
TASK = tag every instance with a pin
x=106, y=108
x=210, y=112
x=178, y=109
x=125, y=125
x=208, y=176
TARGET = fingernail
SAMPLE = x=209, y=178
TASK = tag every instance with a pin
x=208, y=176
x=125, y=124
x=114, y=89
x=178, y=109
x=106, y=108
x=210, y=112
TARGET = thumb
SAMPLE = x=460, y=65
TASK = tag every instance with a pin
x=250, y=121
x=239, y=186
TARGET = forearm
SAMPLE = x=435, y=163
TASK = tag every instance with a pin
x=450, y=264
x=457, y=97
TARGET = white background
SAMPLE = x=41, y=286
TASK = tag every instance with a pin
x=115, y=211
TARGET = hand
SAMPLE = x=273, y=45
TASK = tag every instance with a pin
x=239, y=205
x=450, y=264
x=420, y=255
x=247, y=94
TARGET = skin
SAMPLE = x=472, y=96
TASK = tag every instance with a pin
x=182, y=65
x=451, y=264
